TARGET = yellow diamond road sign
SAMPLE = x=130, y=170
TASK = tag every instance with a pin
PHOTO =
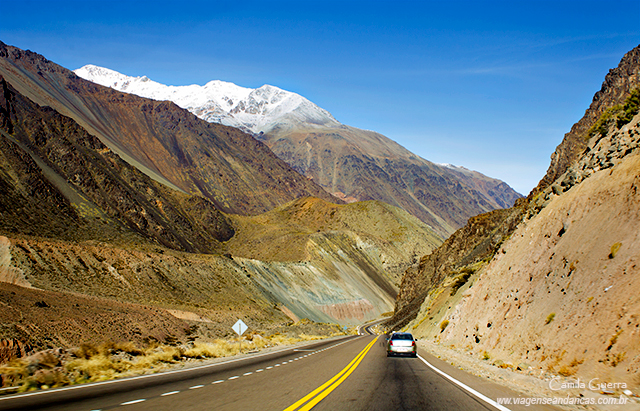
x=240, y=327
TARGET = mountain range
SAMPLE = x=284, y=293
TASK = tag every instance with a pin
x=350, y=163
x=115, y=198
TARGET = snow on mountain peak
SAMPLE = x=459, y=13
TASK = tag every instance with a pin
x=221, y=102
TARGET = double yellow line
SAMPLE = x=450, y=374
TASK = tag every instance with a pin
x=325, y=389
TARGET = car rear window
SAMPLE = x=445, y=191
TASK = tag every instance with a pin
x=402, y=337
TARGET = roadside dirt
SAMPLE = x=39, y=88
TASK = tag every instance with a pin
x=530, y=381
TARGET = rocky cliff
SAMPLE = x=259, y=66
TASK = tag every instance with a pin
x=615, y=89
x=551, y=285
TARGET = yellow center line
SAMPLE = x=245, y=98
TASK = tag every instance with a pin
x=322, y=391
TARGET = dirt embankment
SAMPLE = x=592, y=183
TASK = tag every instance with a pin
x=560, y=296
x=48, y=319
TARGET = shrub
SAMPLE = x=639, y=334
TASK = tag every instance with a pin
x=576, y=362
x=614, y=250
x=614, y=339
x=85, y=351
x=461, y=280
x=630, y=109
x=566, y=371
x=607, y=118
x=444, y=325
x=550, y=318
x=618, y=115
x=617, y=358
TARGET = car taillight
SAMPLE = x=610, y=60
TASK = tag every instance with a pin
x=413, y=343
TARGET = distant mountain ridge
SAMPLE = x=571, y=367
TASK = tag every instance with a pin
x=350, y=163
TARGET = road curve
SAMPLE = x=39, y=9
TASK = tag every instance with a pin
x=351, y=373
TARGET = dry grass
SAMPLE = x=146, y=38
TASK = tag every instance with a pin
x=89, y=363
x=566, y=371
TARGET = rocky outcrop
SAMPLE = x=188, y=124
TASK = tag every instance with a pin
x=602, y=153
x=617, y=86
x=464, y=252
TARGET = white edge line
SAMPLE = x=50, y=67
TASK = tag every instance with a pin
x=97, y=384
x=133, y=402
x=466, y=387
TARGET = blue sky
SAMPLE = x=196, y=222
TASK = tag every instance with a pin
x=489, y=85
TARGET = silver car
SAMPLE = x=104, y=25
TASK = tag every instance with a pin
x=402, y=344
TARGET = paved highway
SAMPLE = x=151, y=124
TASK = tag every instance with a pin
x=351, y=373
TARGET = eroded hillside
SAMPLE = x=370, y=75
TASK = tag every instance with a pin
x=323, y=259
x=172, y=146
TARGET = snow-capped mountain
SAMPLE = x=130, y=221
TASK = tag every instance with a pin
x=256, y=110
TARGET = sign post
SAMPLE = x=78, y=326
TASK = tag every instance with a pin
x=240, y=327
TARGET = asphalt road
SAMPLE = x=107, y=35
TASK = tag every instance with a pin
x=346, y=374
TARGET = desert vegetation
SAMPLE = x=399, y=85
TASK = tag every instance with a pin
x=91, y=363
x=619, y=114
